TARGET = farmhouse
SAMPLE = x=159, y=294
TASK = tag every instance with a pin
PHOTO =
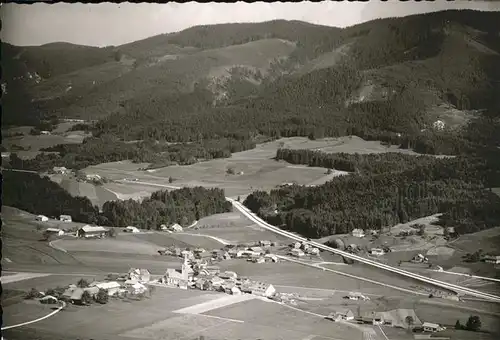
x=271, y=257
x=341, y=315
x=431, y=327
x=297, y=252
x=140, y=275
x=131, y=229
x=175, y=227
x=358, y=233
x=135, y=287
x=54, y=231
x=93, y=177
x=377, y=251
x=42, y=218
x=89, y=231
x=65, y=218
x=111, y=287
x=495, y=259
x=202, y=284
x=44, y=132
x=265, y=243
x=259, y=288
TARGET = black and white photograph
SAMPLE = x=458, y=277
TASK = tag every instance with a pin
x=250, y=171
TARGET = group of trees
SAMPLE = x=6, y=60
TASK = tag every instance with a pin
x=381, y=193
x=108, y=148
x=40, y=195
x=473, y=324
x=179, y=206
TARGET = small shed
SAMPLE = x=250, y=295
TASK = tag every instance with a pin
x=132, y=229
x=358, y=233
x=42, y=218
x=54, y=231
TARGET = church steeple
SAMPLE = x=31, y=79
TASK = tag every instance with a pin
x=185, y=268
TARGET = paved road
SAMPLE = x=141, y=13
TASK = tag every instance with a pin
x=452, y=287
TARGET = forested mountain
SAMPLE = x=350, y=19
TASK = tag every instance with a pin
x=225, y=87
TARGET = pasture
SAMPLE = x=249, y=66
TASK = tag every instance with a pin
x=97, y=194
x=254, y=169
x=112, y=245
x=233, y=227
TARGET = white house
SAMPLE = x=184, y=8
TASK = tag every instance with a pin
x=341, y=315
x=65, y=218
x=140, y=275
x=432, y=327
x=131, y=229
x=491, y=259
x=135, y=287
x=112, y=286
x=358, y=233
x=42, y=218
x=44, y=132
x=175, y=227
x=297, y=252
x=259, y=288
x=54, y=231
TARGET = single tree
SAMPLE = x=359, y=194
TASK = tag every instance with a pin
x=170, y=179
x=329, y=171
x=86, y=298
x=112, y=232
x=409, y=321
x=458, y=325
x=102, y=296
x=473, y=324
x=82, y=283
x=33, y=293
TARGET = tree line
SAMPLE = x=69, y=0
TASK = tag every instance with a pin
x=181, y=206
x=40, y=195
x=455, y=187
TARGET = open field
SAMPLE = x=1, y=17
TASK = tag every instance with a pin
x=106, y=321
x=113, y=245
x=97, y=194
x=34, y=144
x=234, y=227
x=22, y=240
x=273, y=321
x=291, y=274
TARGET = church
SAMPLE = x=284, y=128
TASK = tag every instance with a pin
x=179, y=279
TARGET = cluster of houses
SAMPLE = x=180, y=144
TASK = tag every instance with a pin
x=198, y=274
x=299, y=249
x=252, y=252
x=132, y=283
x=377, y=318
